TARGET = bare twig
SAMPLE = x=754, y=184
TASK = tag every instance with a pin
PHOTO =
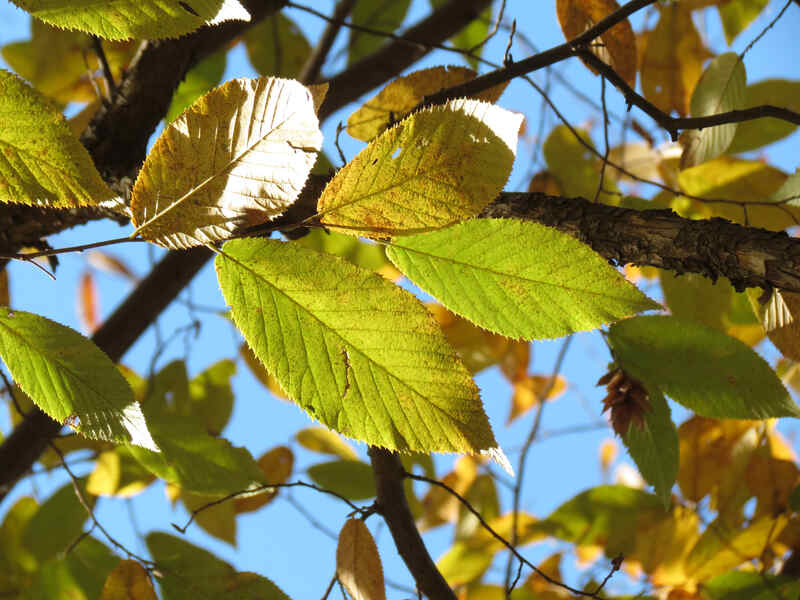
x=311, y=69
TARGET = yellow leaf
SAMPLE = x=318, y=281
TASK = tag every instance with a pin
x=439, y=505
x=128, y=581
x=550, y=566
x=531, y=390
x=394, y=101
x=608, y=453
x=215, y=518
x=237, y=157
x=260, y=372
x=771, y=481
x=780, y=317
x=117, y=473
x=88, y=303
x=661, y=550
x=545, y=182
x=435, y=168
x=618, y=47
x=277, y=465
x=358, y=564
x=673, y=60
x=526, y=532
x=325, y=441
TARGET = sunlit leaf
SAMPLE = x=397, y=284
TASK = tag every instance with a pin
x=673, y=59
x=277, y=47
x=199, y=80
x=143, y=19
x=358, y=564
x=239, y=156
x=380, y=15
x=701, y=368
x=358, y=252
x=404, y=93
x=720, y=89
x=439, y=505
x=57, y=522
x=531, y=390
x=434, y=168
x=319, y=439
x=303, y=313
x=277, y=465
x=654, y=446
x=191, y=573
x=617, y=47
x=736, y=15
x=462, y=564
x=760, y=132
x=351, y=479
x=128, y=581
x=780, y=319
x=43, y=163
x=518, y=279
x=118, y=473
x=70, y=378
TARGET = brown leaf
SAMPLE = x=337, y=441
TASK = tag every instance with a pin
x=88, y=303
x=128, y=581
x=358, y=564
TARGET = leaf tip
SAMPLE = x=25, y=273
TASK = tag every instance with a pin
x=499, y=457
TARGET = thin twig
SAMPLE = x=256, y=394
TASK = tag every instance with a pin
x=310, y=71
x=80, y=248
x=97, y=46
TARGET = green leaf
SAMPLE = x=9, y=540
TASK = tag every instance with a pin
x=57, y=523
x=239, y=156
x=518, y=279
x=368, y=255
x=358, y=353
x=196, y=461
x=434, y=168
x=70, y=378
x=352, y=479
x=654, y=446
x=142, y=19
x=736, y=15
x=720, y=89
x=462, y=564
x=760, y=132
x=14, y=557
x=43, y=163
x=380, y=15
x=277, y=47
x=200, y=78
x=191, y=573
x=743, y=585
x=211, y=396
x=705, y=370
x=472, y=35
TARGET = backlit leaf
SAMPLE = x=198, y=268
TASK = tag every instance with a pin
x=439, y=505
x=277, y=47
x=277, y=465
x=404, y=93
x=200, y=79
x=358, y=252
x=143, y=19
x=720, y=89
x=617, y=46
x=191, y=573
x=434, y=168
x=518, y=279
x=380, y=15
x=701, y=368
x=210, y=398
x=352, y=479
x=395, y=384
x=43, y=163
x=672, y=60
x=752, y=585
x=531, y=390
x=70, y=378
x=654, y=446
x=128, y=581
x=239, y=156
x=57, y=522
x=760, y=132
x=319, y=439
x=118, y=473
x=215, y=515
x=784, y=334
x=462, y=564
x=358, y=564
x=736, y=15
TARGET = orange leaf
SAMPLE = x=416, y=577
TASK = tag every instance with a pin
x=618, y=47
x=88, y=303
x=128, y=581
x=110, y=264
x=529, y=392
x=277, y=465
x=358, y=564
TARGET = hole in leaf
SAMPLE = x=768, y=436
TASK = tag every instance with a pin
x=397, y=152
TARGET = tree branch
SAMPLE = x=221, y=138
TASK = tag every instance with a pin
x=392, y=505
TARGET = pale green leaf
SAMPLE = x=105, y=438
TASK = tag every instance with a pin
x=760, y=132
x=653, y=446
x=191, y=573
x=57, y=523
x=70, y=378
x=320, y=439
x=14, y=557
x=436, y=167
x=519, y=279
x=142, y=19
x=277, y=47
x=380, y=15
x=238, y=157
x=196, y=461
x=358, y=353
x=736, y=15
x=42, y=163
x=462, y=564
x=720, y=89
x=705, y=370
x=200, y=78
x=352, y=479
x=357, y=251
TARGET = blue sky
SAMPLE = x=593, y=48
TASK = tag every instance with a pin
x=278, y=541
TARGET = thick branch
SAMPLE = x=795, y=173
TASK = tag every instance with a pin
x=392, y=505
x=748, y=256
